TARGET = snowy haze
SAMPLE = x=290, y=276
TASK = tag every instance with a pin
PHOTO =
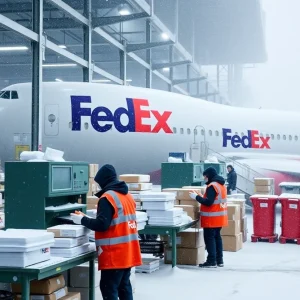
x=276, y=83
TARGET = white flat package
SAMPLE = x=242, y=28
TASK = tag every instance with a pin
x=141, y=225
x=142, y=186
x=70, y=242
x=171, y=213
x=163, y=221
x=149, y=265
x=141, y=216
x=157, y=196
x=25, y=240
x=68, y=230
x=158, y=205
x=71, y=252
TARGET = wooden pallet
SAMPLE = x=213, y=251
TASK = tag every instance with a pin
x=284, y=240
x=268, y=239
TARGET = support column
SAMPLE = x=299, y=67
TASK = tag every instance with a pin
x=123, y=64
x=87, y=42
x=38, y=52
x=148, y=55
x=188, y=75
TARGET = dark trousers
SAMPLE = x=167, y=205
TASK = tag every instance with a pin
x=214, y=245
x=115, y=284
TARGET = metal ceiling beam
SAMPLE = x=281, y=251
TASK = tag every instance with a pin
x=104, y=21
x=180, y=81
x=143, y=46
x=170, y=65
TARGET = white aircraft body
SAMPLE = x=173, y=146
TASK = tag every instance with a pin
x=135, y=128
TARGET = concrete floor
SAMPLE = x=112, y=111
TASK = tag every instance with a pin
x=260, y=270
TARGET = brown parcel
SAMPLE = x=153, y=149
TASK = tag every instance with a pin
x=241, y=203
x=42, y=287
x=232, y=243
x=190, y=202
x=261, y=188
x=244, y=224
x=134, y=178
x=54, y=296
x=72, y=296
x=191, y=210
x=186, y=256
x=263, y=181
x=79, y=276
x=189, y=238
x=233, y=228
x=184, y=194
x=233, y=211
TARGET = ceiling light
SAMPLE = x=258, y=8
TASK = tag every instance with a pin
x=58, y=80
x=59, y=65
x=166, y=69
x=124, y=10
x=14, y=48
x=165, y=36
x=62, y=46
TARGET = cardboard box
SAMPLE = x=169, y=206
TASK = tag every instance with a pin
x=232, y=243
x=79, y=276
x=184, y=194
x=191, y=211
x=263, y=181
x=171, y=190
x=190, y=238
x=186, y=256
x=84, y=293
x=262, y=188
x=244, y=224
x=2, y=220
x=245, y=236
x=202, y=189
x=60, y=294
x=93, y=169
x=139, y=186
x=233, y=211
x=233, y=228
x=190, y=202
x=42, y=287
x=241, y=203
x=72, y=296
x=135, y=178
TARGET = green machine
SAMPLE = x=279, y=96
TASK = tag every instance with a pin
x=177, y=175
x=39, y=195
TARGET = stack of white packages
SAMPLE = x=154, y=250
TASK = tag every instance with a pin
x=149, y=265
x=141, y=219
x=160, y=208
x=70, y=240
x=24, y=247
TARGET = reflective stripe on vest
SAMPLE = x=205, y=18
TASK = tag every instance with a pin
x=121, y=217
x=214, y=214
x=220, y=199
x=117, y=240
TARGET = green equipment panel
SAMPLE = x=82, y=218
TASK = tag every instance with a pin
x=31, y=187
x=177, y=175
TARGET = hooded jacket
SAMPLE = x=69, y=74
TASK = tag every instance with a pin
x=231, y=179
x=212, y=176
x=106, y=177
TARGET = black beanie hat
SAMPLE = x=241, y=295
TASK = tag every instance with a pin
x=210, y=173
x=106, y=175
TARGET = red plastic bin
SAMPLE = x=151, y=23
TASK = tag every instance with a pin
x=264, y=217
x=290, y=218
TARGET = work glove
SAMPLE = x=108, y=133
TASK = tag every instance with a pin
x=76, y=218
x=193, y=195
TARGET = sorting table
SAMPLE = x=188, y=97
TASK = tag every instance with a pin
x=168, y=230
x=52, y=267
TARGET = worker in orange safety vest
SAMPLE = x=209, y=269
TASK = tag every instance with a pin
x=116, y=235
x=213, y=214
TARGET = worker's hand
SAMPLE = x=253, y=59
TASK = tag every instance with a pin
x=198, y=193
x=79, y=213
x=193, y=195
x=76, y=218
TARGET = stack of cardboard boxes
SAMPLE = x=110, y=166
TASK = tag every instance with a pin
x=190, y=247
x=231, y=235
x=264, y=186
x=79, y=280
x=93, y=169
x=47, y=289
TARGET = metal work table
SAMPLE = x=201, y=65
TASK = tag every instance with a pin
x=55, y=266
x=168, y=230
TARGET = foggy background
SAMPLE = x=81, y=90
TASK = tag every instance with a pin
x=275, y=84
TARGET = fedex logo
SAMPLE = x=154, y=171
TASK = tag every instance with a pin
x=137, y=112
x=252, y=140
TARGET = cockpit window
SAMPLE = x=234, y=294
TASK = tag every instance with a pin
x=14, y=95
x=5, y=95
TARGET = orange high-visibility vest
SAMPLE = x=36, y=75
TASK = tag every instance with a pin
x=118, y=247
x=215, y=215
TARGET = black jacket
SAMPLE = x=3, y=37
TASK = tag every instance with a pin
x=107, y=179
x=210, y=191
x=231, y=179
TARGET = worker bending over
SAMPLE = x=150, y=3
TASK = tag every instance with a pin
x=213, y=212
x=116, y=235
